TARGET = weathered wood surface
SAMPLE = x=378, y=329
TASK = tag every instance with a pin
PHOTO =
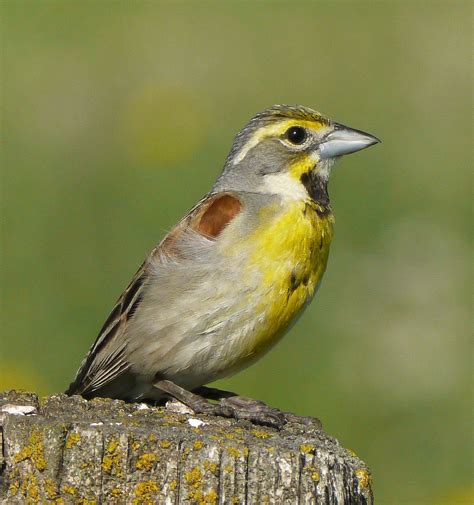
x=69, y=450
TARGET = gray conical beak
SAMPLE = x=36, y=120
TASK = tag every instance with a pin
x=344, y=140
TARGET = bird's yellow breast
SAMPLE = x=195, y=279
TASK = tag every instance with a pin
x=290, y=250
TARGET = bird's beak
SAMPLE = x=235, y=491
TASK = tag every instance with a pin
x=344, y=140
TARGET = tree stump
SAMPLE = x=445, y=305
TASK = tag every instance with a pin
x=68, y=450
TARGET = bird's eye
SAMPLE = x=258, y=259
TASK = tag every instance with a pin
x=296, y=135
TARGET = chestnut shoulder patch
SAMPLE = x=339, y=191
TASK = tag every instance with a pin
x=217, y=212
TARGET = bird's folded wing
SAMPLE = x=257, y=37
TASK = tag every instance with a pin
x=107, y=358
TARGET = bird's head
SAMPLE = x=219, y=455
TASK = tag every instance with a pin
x=289, y=150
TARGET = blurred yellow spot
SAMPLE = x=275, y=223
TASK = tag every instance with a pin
x=161, y=126
x=459, y=496
x=20, y=377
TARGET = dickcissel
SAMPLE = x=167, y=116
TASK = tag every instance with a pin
x=231, y=277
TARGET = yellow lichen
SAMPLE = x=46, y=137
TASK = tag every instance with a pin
x=173, y=485
x=152, y=438
x=198, y=444
x=145, y=491
x=185, y=454
x=313, y=473
x=146, y=461
x=112, y=445
x=229, y=436
x=234, y=452
x=307, y=448
x=111, y=463
x=364, y=478
x=135, y=446
x=67, y=488
x=13, y=488
x=315, y=476
x=165, y=444
x=34, y=451
x=50, y=489
x=235, y=500
x=211, y=467
x=352, y=453
x=72, y=439
x=194, y=477
x=30, y=488
x=116, y=492
x=260, y=434
x=228, y=469
x=209, y=499
x=246, y=451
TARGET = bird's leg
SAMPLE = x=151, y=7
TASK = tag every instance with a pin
x=230, y=405
x=194, y=401
x=213, y=393
x=242, y=407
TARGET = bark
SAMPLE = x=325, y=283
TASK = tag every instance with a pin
x=69, y=450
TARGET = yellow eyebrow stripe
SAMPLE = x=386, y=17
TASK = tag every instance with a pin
x=274, y=130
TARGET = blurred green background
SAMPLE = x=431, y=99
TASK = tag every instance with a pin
x=117, y=117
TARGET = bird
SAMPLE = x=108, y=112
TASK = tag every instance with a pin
x=232, y=276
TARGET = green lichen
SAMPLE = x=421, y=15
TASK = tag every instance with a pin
x=165, y=444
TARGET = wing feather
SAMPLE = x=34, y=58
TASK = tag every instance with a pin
x=107, y=358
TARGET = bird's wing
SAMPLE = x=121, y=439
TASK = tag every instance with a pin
x=107, y=358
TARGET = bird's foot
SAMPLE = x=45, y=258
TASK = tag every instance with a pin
x=232, y=406
x=255, y=411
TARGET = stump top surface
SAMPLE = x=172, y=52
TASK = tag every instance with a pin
x=100, y=450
